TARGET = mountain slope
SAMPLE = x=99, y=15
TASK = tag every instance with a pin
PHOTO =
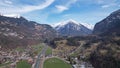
x=107, y=53
x=72, y=28
x=20, y=32
x=109, y=25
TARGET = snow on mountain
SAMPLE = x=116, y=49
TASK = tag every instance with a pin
x=66, y=22
x=71, y=28
x=90, y=26
x=61, y=24
x=11, y=15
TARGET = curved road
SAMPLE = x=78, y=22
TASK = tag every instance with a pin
x=39, y=60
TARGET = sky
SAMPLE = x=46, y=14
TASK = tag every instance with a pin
x=54, y=11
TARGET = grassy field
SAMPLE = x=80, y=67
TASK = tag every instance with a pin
x=23, y=64
x=5, y=64
x=33, y=50
x=56, y=63
x=48, y=51
x=38, y=48
x=62, y=48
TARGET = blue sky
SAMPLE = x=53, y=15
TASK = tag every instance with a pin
x=54, y=11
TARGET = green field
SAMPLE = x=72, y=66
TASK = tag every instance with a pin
x=5, y=64
x=56, y=63
x=48, y=51
x=23, y=64
x=38, y=48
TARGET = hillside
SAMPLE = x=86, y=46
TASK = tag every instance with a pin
x=102, y=49
x=109, y=25
x=16, y=32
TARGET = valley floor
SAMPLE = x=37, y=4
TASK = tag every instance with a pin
x=56, y=63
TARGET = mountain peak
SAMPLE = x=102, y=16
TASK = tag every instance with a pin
x=11, y=15
x=109, y=25
x=71, y=28
x=72, y=21
x=63, y=23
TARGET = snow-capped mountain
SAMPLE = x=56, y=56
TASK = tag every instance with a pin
x=11, y=15
x=89, y=26
x=71, y=28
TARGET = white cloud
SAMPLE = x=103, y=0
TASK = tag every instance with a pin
x=65, y=6
x=109, y=5
x=61, y=8
x=106, y=1
x=105, y=6
x=14, y=9
x=70, y=2
x=8, y=2
x=100, y=1
x=41, y=6
x=5, y=3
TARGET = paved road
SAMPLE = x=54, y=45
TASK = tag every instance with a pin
x=39, y=60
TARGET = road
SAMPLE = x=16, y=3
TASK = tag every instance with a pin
x=40, y=58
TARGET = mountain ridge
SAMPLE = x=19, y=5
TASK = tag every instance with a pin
x=71, y=28
x=27, y=32
x=110, y=24
x=89, y=26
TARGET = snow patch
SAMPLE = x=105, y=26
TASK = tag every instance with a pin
x=89, y=26
x=12, y=15
x=63, y=23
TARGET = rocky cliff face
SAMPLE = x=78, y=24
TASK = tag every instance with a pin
x=109, y=25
